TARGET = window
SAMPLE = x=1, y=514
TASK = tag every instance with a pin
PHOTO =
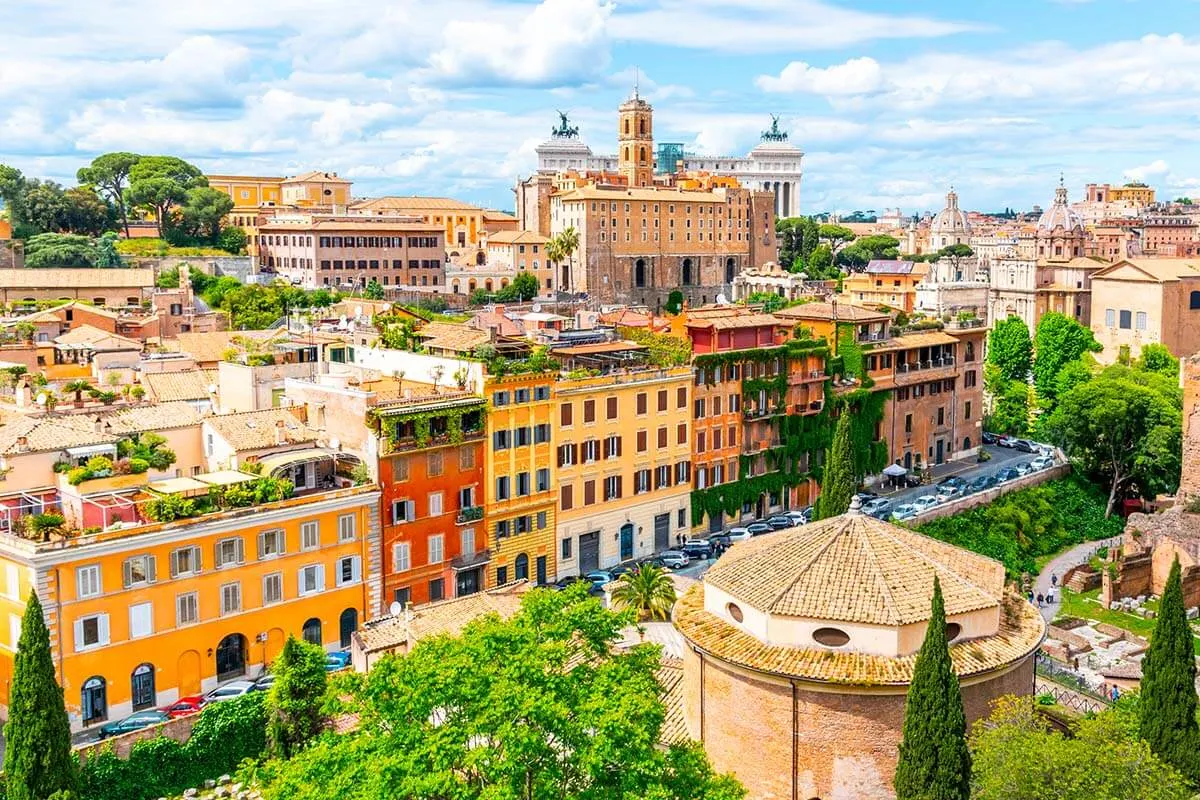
x=87, y=581
x=541, y=520
x=435, y=504
x=1126, y=318
x=437, y=549
x=641, y=403
x=683, y=471
x=502, y=487
x=541, y=433
x=466, y=541
x=612, y=447
x=437, y=589
x=566, y=550
x=1194, y=301
x=941, y=415
x=401, y=557
x=589, y=411
x=348, y=570
x=521, y=396
x=698, y=410
x=541, y=393
x=662, y=400
x=185, y=561
x=522, y=484
x=270, y=544
x=141, y=620
x=500, y=399
x=231, y=598
x=435, y=463
x=228, y=552
x=641, y=481
x=187, y=609
x=589, y=493
x=566, y=497
x=908, y=423
x=701, y=441
x=403, y=511
x=567, y=454
x=591, y=451
x=543, y=480
x=312, y=579
x=272, y=588
x=612, y=487
x=610, y=408
x=91, y=632
x=967, y=410
x=565, y=414
x=641, y=442
x=138, y=571
x=1110, y=316
x=682, y=521
x=681, y=397
x=1140, y=321
x=969, y=379
x=502, y=529
x=399, y=469
x=521, y=437
x=662, y=437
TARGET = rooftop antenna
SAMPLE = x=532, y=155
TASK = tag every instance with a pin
x=637, y=80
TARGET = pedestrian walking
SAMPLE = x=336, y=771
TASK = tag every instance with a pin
x=1050, y=596
x=1031, y=595
x=1040, y=598
x=1053, y=579
x=1116, y=693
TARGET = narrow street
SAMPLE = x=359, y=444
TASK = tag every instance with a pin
x=1062, y=562
x=1001, y=458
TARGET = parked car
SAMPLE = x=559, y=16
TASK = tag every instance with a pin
x=1025, y=446
x=982, y=483
x=673, y=559
x=759, y=528
x=864, y=497
x=621, y=569
x=906, y=511
x=738, y=534
x=797, y=517
x=877, y=508
x=184, y=706
x=954, y=480
x=947, y=493
x=134, y=722
x=1007, y=474
x=925, y=502
x=697, y=548
x=337, y=660
x=1023, y=468
x=264, y=682
x=781, y=522
x=600, y=577
x=229, y=691
x=1041, y=462
x=1007, y=441
x=990, y=438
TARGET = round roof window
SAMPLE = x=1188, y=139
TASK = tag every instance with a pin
x=830, y=637
x=734, y=611
x=952, y=631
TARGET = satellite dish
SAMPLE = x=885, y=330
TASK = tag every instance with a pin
x=722, y=300
x=537, y=308
x=395, y=609
x=335, y=443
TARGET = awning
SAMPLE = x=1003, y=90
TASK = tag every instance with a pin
x=91, y=450
x=894, y=471
x=225, y=477
x=272, y=463
x=185, y=486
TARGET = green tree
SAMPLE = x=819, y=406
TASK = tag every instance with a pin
x=935, y=763
x=1010, y=409
x=835, y=237
x=109, y=173
x=45, y=206
x=839, y=481
x=232, y=240
x=203, y=211
x=649, y=592
x=106, y=251
x=1059, y=340
x=820, y=265
x=1016, y=756
x=168, y=279
x=1167, y=704
x=38, y=761
x=1157, y=358
x=294, y=715
x=12, y=192
x=373, y=290
x=674, y=302
x=492, y=713
x=1010, y=349
x=955, y=252
x=526, y=285
x=1123, y=427
x=856, y=256
x=158, y=183
x=60, y=250
x=566, y=243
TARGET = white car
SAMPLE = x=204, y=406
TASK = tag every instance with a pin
x=1041, y=462
x=229, y=691
x=925, y=502
x=906, y=511
x=947, y=493
x=876, y=507
x=739, y=534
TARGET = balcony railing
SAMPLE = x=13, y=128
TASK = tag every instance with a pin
x=469, y=514
x=933, y=363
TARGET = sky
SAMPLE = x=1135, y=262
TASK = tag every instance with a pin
x=891, y=102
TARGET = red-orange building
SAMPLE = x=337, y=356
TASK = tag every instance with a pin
x=431, y=467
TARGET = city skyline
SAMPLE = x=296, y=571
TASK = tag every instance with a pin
x=890, y=108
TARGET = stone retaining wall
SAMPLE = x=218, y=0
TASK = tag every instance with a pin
x=983, y=498
x=178, y=729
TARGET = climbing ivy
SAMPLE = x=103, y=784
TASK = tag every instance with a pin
x=850, y=352
x=423, y=423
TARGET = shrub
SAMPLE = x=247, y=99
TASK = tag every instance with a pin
x=138, y=465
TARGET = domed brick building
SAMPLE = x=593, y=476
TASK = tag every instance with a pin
x=800, y=645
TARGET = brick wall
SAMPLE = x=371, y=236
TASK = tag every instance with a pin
x=1189, y=480
x=1133, y=577
x=178, y=729
x=846, y=745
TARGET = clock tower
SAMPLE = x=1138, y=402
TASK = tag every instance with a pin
x=635, y=139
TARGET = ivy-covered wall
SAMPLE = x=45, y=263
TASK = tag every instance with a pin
x=458, y=421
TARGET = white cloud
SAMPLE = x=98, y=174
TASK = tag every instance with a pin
x=559, y=41
x=856, y=76
x=1155, y=169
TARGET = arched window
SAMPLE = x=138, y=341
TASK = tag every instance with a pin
x=93, y=700
x=312, y=631
x=970, y=351
x=347, y=625
x=627, y=126
x=686, y=278
x=480, y=259
x=642, y=126
x=967, y=443
x=231, y=657
x=730, y=270
x=521, y=567
x=141, y=686
x=1194, y=301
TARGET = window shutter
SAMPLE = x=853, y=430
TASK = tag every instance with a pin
x=619, y=447
x=410, y=507
x=151, y=568
x=619, y=478
x=281, y=541
x=608, y=447
x=356, y=569
x=262, y=543
x=78, y=635
x=320, y=577
x=217, y=554
x=102, y=625
x=575, y=453
x=241, y=552
x=174, y=563
x=197, y=561
x=126, y=573
x=561, y=450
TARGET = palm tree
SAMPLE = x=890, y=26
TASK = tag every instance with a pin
x=78, y=386
x=554, y=254
x=649, y=591
x=568, y=240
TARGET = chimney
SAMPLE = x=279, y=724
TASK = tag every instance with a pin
x=493, y=332
x=22, y=444
x=280, y=432
x=98, y=424
x=24, y=394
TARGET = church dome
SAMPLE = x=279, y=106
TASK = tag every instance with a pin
x=951, y=220
x=1060, y=215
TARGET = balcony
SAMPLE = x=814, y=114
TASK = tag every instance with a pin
x=468, y=515
x=470, y=560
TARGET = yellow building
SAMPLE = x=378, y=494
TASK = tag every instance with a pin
x=466, y=225
x=514, y=252
x=623, y=461
x=520, y=494
x=142, y=614
x=316, y=189
x=886, y=283
x=254, y=195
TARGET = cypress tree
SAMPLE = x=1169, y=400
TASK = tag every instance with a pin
x=1167, y=709
x=934, y=761
x=37, y=759
x=839, y=481
x=294, y=713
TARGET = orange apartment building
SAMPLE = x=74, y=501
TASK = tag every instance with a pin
x=431, y=467
x=886, y=283
x=147, y=612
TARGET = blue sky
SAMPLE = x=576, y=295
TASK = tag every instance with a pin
x=891, y=102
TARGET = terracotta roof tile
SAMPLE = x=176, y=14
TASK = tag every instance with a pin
x=191, y=384
x=76, y=278
x=255, y=430
x=443, y=617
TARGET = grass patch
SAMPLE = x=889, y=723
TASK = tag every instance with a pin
x=1087, y=606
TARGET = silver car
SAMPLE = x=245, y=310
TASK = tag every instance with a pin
x=906, y=511
x=673, y=559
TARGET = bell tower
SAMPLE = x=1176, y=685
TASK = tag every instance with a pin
x=635, y=141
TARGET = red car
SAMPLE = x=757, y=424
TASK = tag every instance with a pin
x=184, y=706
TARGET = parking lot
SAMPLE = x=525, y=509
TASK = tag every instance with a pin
x=1001, y=458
